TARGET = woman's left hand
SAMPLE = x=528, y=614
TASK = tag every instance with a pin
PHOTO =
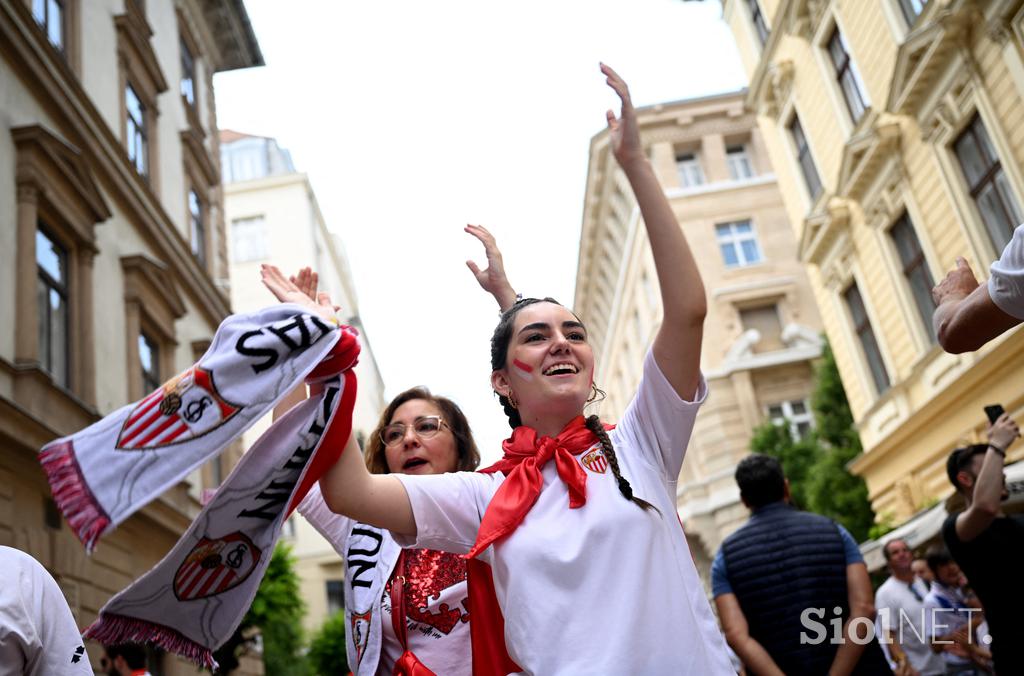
x=625, y=134
x=286, y=291
x=492, y=279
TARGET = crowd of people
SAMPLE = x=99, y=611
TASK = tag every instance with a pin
x=567, y=555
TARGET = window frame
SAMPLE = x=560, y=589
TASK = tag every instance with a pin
x=988, y=179
x=136, y=133
x=863, y=328
x=790, y=419
x=846, y=74
x=758, y=21
x=736, y=239
x=802, y=151
x=188, y=74
x=731, y=155
x=63, y=289
x=686, y=162
x=198, y=234
x=916, y=263
x=44, y=22
x=153, y=377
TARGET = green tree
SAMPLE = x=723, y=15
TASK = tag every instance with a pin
x=816, y=465
x=276, y=613
x=327, y=648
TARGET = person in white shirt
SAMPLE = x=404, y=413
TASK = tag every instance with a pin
x=418, y=433
x=38, y=634
x=968, y=314
x=899, y=603
x=589, y=567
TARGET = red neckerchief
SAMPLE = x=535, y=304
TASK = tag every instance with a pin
x=525, y=456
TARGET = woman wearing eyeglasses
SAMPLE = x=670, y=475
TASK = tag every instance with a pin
x=590, y=571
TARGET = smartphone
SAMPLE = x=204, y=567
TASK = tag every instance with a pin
x=993, y=412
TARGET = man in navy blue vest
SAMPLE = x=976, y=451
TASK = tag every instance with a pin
x=791, y=587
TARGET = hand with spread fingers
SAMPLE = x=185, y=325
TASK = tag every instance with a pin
x=625, y=133
x=287, y=291
x=492, y=279
x=306, y=280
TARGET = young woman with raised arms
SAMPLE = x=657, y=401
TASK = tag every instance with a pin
x=590, y=567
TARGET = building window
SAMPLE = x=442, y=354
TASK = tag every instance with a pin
x=739, y=163
x=915, y=270
x=794, y=414
x=846, y=75
x=757, y=18
x=248, y=239
x=803, y=157
x=738, y=243
x=866, y=336
x=690, y=173
x=188, y=75
x=136, y=131
x=987, y=183
x=197, y=228
x=52, y=299
x=335, y=596
x=149, y=360
x=51, y=17
x=764, y=320
x=912, y=9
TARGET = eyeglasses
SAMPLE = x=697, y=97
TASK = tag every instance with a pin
x=425, y=427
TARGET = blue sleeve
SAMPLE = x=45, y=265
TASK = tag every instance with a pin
x=719, y=577
x=853, y=554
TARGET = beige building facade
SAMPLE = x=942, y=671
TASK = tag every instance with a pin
x=112, y=252
x=895, y=127
x=273, y=217
x=762, y=330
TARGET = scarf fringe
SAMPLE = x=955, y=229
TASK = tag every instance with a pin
x=113, y=629
x=71, y=493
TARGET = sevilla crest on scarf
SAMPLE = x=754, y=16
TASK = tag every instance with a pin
x=185, y=407
x=215, y=566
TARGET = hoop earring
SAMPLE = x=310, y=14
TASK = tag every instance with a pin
x=512, y=399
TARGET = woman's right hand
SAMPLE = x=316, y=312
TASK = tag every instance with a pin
x=287, y=291
x=1003, y=432
x=492, y=279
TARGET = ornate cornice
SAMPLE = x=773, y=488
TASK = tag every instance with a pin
x=875, y=138
x=772, y=89
x=822, y=228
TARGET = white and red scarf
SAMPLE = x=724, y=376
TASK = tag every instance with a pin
x=192, y=601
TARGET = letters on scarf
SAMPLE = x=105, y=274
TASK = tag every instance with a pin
x=193, y=600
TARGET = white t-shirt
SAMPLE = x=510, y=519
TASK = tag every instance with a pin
x=1006, y=283
x=903, y=613
x=437, y=620
x=38, y=636
x=607, y=588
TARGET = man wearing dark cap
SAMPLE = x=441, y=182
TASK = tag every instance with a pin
x=782, y=580
x=989, y=545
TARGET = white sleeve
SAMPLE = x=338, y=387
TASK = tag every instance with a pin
x=658, y=421
x=1006, y=284
x=38, y=622
x=448, y=508
x=334, y=527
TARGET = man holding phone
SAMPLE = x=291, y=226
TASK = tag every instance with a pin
x=989, y=545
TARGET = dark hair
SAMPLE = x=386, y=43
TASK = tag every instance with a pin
x=959, y=460
x=500, y=342
x=761, y=480
x=885, y=548
x=467, y=455
x=936, y=558
x=134, y=654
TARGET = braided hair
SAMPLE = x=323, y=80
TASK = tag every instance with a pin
x=500, y=342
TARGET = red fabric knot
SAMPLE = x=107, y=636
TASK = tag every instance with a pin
x=343, y=356
x=525, y=456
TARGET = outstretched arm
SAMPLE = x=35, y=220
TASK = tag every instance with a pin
x=677, y=344
x=965, y=316
x=348, y=487
x=492, y=279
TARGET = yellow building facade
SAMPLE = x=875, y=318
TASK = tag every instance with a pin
x=896, y=129
x=113, y=258
x=762, y=329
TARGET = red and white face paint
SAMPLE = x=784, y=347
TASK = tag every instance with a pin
x=524, y=370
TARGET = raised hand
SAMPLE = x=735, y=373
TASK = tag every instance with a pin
x=625, y=134
x=286, y=291
x=1003, y=432
x=492, y=279
x=306, y=281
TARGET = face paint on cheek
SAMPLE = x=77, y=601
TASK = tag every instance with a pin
x=525, y=370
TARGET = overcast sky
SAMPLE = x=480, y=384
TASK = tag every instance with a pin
x=413, y=119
